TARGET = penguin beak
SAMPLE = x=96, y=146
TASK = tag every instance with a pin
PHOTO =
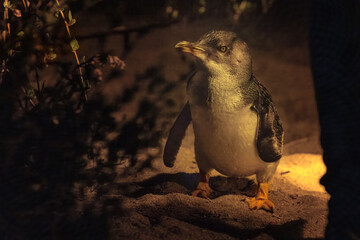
x=188, y=47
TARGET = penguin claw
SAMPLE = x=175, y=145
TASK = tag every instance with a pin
x=258, y=203
x=203, y=190
x=201, y=194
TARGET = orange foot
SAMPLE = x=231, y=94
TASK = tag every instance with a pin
x=203, y=189
x=261, y=201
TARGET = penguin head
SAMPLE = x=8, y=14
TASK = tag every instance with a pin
x=220, y=53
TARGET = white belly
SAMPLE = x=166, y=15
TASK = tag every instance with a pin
x=226, y=141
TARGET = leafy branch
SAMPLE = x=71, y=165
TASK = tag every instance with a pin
x=73, y=42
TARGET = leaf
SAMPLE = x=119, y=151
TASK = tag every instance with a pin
x=175, y=14
x=30, y=93
x=11, y=52
x=70, y=16
x=72, y=22
x=51, y=55
x=8, y=5
x=74, y=44
x=20, y=34
x=202, y=10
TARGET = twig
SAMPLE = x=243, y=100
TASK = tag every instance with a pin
x=277, y=216
x=26, y=4
x=63, y=17
x=39, y=89
x=20, y=104
x=43, y=85
x=37, y=80
x=80, y=69
x=23, y=1
x=283, y=173
x=6, y=18
x=4, y=35
x=74, y=51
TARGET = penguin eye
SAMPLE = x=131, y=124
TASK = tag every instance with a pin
x=223, y=49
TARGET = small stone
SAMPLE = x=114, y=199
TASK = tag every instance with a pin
x=293, y=196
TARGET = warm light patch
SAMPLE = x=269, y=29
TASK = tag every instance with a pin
x=303, y=170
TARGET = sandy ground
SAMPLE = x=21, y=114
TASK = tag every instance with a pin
x=158, y=204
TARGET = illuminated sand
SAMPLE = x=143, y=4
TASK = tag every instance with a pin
x=303, y=170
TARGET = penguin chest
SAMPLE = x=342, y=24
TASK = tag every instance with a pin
x=226, y=141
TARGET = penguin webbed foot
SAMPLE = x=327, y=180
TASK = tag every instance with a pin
x=261, y=201
x=203, y=190
x=257, y=203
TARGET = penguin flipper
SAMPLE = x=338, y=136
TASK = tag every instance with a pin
x=270, y=133
x=270, y=137
x=176, y=135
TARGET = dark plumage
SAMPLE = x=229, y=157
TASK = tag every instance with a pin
x=270, y=132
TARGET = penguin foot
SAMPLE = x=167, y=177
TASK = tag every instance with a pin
x=203, y=190
x=265, y=204
x=261, y=201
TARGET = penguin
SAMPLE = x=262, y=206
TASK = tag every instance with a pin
x=236, y=126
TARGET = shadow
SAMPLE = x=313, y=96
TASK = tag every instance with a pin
x=185, y=183
x=232, y=185
x=289, y=230
x=57, y=161
x=43, y=162
x=166, y=183
x=237, y=228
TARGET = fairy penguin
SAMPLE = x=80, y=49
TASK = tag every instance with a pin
x=237, y=128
